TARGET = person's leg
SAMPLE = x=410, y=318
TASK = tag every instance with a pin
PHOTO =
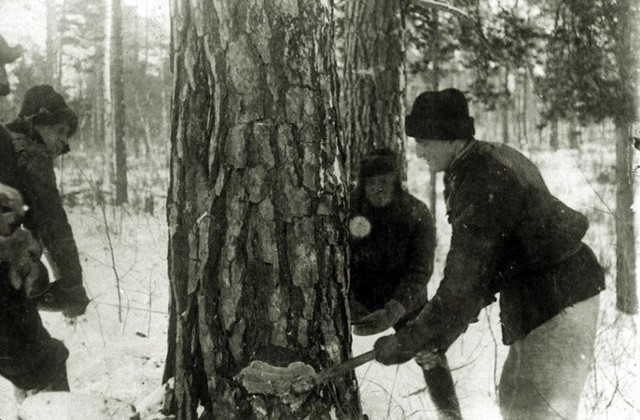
x=545, y=373
x=29, y=357
x=440, y=385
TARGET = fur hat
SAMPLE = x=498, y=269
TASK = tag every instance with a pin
x=378, y=162
x=42, y=105
x=442, y=115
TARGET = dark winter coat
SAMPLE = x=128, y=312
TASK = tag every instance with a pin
x=509, y=236
x=29, y=357
x=26, y=166
x=395, y=260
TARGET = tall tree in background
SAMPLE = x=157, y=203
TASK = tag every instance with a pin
x=114, y=101
x=627, y=53
x=50, y=47
x=374, y=77
x=591, y=76
x=256, y=206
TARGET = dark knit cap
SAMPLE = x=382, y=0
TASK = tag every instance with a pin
x=379, y=162
x=42, y=105
x=442, y=115
x=7, y=54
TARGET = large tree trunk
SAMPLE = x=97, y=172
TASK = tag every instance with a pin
x=257, y=251
x=114, y=101
x=374, y=78
x=628, y=61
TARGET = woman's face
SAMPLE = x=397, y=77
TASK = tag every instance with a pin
x=55, y=137
x=379, y=190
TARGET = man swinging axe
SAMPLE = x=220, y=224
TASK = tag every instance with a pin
x=392, y=240
x=510, y=236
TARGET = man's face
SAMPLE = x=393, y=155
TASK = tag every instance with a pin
x=380, y=189
x=55, y=138
x=437, y=153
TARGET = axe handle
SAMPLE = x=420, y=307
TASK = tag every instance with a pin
x=346, y=366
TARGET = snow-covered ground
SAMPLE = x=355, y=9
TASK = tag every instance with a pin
x=119, y=359
x=124, y=359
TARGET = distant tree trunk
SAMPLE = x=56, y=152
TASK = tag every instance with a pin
x=98, y=110
x=146, y=126
x=374, y=78
x=98, y=114
x=166, y=100
x=114, y=101
x=626, y=288
x=574, y=135
x=51, y=44
x=57, y=74
x=525, y=107
x=108, y=99
x=256, y=206
x=506, y=105
x=554, y=140
x=435, y=86
x=627, y=57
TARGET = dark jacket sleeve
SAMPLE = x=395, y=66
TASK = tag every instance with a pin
x=412, y=289
x=46, y=216
x=484, y=210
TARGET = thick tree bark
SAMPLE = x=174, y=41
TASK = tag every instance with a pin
x=374, y=78
x=257, y=252
x=114, y=101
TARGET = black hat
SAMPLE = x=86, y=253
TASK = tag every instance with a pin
x=442, y=115
x=42, y=105
x=379, y=162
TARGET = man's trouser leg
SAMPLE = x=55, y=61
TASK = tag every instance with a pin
x=545, y=373
x=440, y=384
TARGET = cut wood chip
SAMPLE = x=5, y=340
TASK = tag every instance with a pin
x=262, y=378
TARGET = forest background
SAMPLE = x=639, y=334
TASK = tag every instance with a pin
x=545, y=77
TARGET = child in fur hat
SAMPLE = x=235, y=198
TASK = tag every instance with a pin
x=29, y=357
x=392, y=242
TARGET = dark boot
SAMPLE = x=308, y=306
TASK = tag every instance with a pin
x=441, y=387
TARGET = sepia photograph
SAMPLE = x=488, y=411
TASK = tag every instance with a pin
x=319, y=209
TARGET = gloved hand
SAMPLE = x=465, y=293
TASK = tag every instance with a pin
x=12, y=209
x=380, y=320
x=22, y=251
x=72, y=301
x=394, y=349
